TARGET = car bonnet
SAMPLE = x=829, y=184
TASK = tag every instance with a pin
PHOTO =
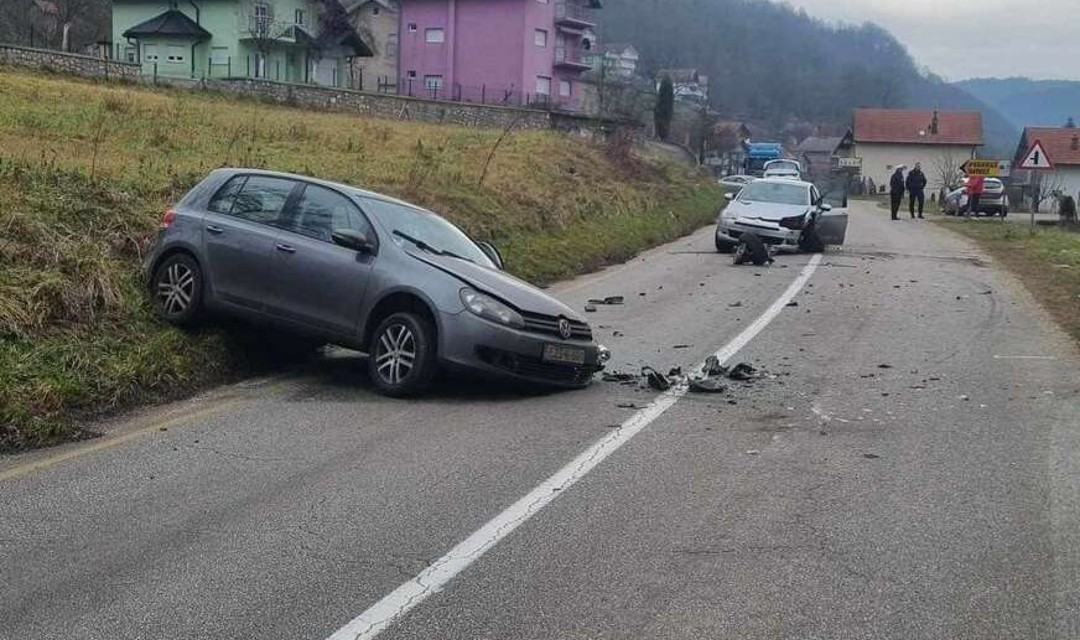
x=520, y=294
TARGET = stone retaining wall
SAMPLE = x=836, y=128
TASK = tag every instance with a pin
x=313, y=96
x=71, y=63
x=382, y=105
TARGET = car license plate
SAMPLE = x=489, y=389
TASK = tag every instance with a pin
x=563, y=354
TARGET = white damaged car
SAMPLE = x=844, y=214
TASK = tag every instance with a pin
x=789, y=214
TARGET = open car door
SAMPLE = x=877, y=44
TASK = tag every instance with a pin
x=832, y=224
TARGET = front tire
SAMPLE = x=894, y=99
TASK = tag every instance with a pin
x=401, y=356
x=723, y=246
x=177, y=290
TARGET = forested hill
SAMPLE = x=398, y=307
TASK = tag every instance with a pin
x=772, y=63
x=1025, y=102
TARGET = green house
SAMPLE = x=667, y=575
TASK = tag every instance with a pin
x=300, y=41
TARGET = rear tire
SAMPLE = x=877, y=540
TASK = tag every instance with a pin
x=401, y=356
x=176, y=289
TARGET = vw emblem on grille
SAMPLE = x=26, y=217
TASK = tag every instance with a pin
x=564, y=328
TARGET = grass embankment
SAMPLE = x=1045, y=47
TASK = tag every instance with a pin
x=86, y=170
x=1046, y=259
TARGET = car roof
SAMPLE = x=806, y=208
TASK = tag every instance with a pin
x=782, y=181
x=231, y=171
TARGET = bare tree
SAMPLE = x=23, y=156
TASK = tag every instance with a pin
x=947, y=173
x=1045, y=186
x=264, y=30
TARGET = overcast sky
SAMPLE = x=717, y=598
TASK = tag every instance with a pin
x=961, y=39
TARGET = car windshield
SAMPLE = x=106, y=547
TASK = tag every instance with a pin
x=775, y=193
x=412, y=225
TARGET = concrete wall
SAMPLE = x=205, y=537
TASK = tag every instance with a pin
x=385, y=106
x=879, y=160
x=316, y=97
x=68, y=63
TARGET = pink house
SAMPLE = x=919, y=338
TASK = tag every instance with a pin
x=495, y=51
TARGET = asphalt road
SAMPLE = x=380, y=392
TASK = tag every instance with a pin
x=909, y=469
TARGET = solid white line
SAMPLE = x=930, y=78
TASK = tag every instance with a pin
x=996, y=357
x=432, y=579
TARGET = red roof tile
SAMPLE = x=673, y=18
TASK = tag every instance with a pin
x=912, y=126
x=1057, y=142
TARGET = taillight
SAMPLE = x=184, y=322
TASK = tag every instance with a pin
x=167, y=219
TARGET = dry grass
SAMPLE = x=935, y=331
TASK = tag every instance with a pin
x=86, y=170
x=1046, y=259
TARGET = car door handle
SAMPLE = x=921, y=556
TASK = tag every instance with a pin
x=214, y=230
x=286, y=248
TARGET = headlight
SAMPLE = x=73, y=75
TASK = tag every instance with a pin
x=489, y=308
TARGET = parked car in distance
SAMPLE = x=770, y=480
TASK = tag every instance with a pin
x=789, y=214
x=783, y=168
x=358, y=269
x=733, y=183
x=993, y=201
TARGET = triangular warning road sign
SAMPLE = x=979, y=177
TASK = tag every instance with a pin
x=1036, y=158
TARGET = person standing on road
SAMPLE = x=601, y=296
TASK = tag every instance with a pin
x=916, y=187
x=975, y=186
x=896, y=190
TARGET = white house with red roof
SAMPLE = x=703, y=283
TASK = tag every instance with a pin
x=887, y=138
x=1062, y=146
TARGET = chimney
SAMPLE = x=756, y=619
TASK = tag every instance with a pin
x=934, y=124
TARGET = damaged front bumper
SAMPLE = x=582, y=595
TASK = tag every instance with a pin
x=730, y=230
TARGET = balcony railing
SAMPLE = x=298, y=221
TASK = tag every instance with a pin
x=570, y=56
x=571, y=11
x=260, y=26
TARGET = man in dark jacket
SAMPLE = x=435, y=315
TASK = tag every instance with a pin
x=916, y=187
x=896, y=190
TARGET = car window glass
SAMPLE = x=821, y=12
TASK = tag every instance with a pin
x=425, y=226
x=222, y=202
x=262, y=198
x=320, y=211
x=775, y=192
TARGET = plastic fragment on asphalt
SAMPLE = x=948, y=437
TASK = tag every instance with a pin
x=871, y=456
x=656, y=380
x=736, y=304
x=589, y=308
x=707, y=385
x=792, y=304
x=752, y=452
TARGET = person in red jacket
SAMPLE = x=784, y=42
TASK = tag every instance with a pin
x=975, y=186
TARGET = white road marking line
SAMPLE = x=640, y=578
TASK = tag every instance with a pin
x=997, y=357
x=432, y=579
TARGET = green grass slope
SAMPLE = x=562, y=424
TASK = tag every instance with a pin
x=87, y=169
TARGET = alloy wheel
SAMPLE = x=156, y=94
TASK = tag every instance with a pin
x=176, y=288
x=395, y=355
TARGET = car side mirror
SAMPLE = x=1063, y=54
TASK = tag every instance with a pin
x=825, y=206
x=729, y=196
x=492, y=253
x=352, y=239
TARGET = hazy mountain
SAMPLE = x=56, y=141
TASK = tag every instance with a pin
x=774, y=64
x=1025, y=102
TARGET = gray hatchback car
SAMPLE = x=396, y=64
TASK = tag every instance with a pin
x=364, y=271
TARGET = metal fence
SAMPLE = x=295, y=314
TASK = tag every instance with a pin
x=491, y=94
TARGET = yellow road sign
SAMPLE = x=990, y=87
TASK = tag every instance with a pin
x=988, y=168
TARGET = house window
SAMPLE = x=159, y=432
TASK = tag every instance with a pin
x=262, y=11
x=150, y=52
x=412, y=27
x=219, y=55
x=434, y=35
x=176, y=53
x=299, y=17
x=543, y=85
x=540, y=38
x=433, y=83
x=411, y=73
x=130, y=54
x=564, y=88
x=375, y=10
